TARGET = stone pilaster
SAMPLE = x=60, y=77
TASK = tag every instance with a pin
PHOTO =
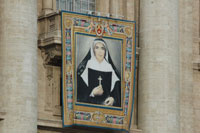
x=186, y=66
x=118, y=9
x=159, y=67
x=196, y=64
x=18, y=66
x=131, y=8
x=102, y=6
x=47, y=6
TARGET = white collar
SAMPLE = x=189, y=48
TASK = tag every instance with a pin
x=104, y=66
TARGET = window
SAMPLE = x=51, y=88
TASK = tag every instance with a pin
x=82, y=6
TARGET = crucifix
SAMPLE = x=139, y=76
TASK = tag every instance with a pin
x=99, y=80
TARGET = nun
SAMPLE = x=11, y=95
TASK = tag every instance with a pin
x=98, y=80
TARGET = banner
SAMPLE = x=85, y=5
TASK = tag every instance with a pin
x=98, y=71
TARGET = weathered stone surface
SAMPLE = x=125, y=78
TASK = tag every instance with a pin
x=186, y=66
x=18, y=67
x=159, y=67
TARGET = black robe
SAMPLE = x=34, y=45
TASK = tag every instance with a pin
x=84, y=91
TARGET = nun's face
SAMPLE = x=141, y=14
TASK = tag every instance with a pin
x=99, y=51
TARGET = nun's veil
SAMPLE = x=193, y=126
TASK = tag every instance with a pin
x=83, y=64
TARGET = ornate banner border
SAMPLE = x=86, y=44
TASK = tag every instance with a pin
x=102, y=27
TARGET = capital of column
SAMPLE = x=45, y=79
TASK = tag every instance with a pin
x=47, y=6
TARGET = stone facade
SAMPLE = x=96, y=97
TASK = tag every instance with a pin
x=168, y=65
x=196, y=66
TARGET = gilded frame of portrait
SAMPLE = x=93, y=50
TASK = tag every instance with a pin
x=78, y=32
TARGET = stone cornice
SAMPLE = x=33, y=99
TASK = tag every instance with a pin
x=2, y=115
x=56, y=125
x=49, y=14
x=196, y=66
x=51, y=54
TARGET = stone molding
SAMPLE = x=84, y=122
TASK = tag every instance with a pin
x=50, y=123
x=2, y=115
x=196, y=66
x=57, y=125
x=49, y=38
x=51, y=54
x=42, y=16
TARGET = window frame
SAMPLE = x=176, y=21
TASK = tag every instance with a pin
x=71, y=5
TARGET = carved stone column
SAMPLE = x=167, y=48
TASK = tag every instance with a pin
x=18, y=66
x=102, y=6
x=159, y=67
x=118, y=9
x=54, y=5
x=186, y=66
x=131, y=8
x=47, y=6
x=196, y=64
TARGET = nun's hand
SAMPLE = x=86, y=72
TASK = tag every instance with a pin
x=97, y=91
x=109, y=101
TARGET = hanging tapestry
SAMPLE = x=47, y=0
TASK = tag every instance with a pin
x=98, y=71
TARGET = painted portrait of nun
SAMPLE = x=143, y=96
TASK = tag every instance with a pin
x=98, y=80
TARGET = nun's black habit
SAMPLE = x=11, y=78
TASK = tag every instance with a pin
x=88, y=73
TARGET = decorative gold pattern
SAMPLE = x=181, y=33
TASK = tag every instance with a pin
x=70, y=115
x=99, y=29
x=98, y=117
x=128, y=31
x=68, y=23
x=126, y=125
x=68, y=68
x=127, y=75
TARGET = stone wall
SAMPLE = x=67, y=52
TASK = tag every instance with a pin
x=196, y=65
x=186, y=65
